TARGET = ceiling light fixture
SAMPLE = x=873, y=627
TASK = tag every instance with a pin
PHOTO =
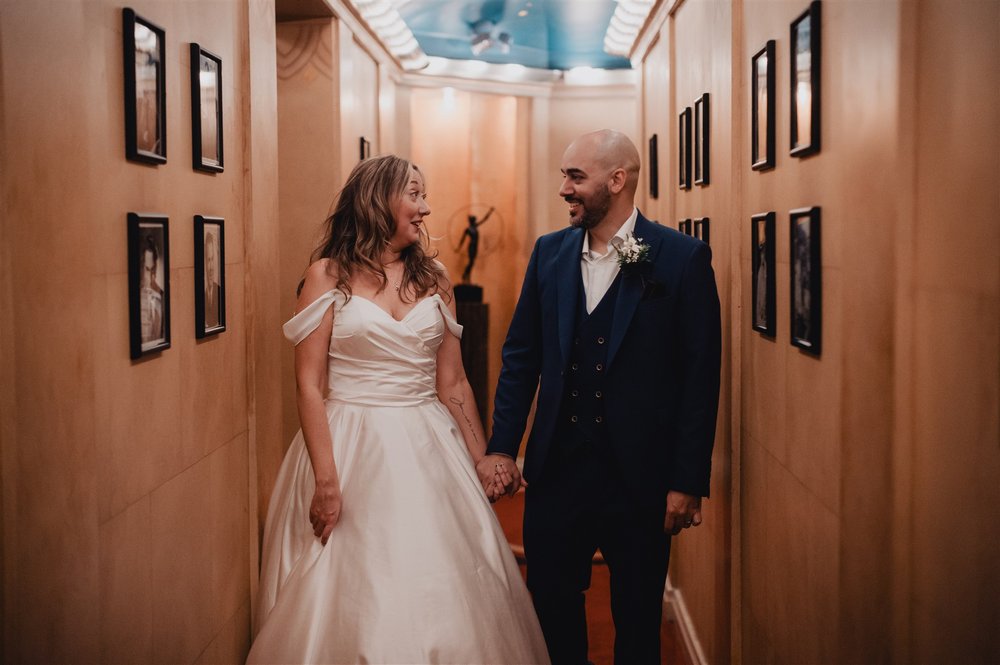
x=503, y=42
x=384, y=20
x=482, y=38
x=627, y=21
x=480, y=42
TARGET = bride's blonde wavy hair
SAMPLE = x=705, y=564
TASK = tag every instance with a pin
x=363, y=223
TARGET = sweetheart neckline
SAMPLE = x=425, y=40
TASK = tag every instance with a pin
x=388, y=314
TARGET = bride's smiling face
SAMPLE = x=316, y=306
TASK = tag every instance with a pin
x=409, y=211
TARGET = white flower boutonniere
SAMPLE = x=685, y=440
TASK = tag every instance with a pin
x=632, y=253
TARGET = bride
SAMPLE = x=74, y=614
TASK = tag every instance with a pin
x=380, y=544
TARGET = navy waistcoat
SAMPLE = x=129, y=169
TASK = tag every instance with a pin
x=582, y=416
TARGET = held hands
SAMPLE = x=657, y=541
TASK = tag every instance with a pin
x=324, y=512
x=683, y=511
x=499, y=475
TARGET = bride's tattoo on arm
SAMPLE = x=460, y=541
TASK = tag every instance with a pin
x=461, y=407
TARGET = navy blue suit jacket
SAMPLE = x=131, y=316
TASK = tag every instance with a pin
x=662, y=375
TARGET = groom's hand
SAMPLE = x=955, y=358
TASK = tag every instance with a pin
x=499, y=475
x=683, y=511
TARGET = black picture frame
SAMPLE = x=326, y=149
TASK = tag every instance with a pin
x=148, y=284
x=209, y=276
x=144, y=59
x=702, y=140
x=806, y=279
x=684, y=226
x=654, y=168
x=762, y=92
x=762, y=274
x=702, y=227
x=684, y=149
x=364, y=148
x=804, y=78
x=206, y=111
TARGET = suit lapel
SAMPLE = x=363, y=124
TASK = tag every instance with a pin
x=630, y=291
x=568, y=287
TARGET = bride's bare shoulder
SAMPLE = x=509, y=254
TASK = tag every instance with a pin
x=319, y=277
x=322, y=273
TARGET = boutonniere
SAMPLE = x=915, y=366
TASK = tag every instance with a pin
x=633, y=255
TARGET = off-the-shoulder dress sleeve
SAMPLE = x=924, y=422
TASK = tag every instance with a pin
x=449, y=319
x=303, y=323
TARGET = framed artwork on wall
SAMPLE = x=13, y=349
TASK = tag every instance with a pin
x=806, y=279
x=762, y=88
x=364, y=148
x=684, y=226
x=148, y=284
x=144, y=56
x=805, y=81
x=206, y=110
x=654, y=168
x=701, y=229
x=684, y=149
x=701, y=140
x=209, y=276
x=762, y=274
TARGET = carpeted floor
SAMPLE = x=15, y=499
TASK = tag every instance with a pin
x=600, y=629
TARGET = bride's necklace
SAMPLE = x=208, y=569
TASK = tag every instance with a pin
x=396, y=283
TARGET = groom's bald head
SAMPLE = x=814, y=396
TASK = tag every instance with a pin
x=607, y=150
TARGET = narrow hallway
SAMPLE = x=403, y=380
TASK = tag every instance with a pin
x=148, y=395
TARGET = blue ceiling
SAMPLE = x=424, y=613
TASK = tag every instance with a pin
x=547, y=34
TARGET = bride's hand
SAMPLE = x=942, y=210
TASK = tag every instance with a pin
x=324, y=513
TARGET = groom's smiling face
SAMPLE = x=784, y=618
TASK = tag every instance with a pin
x=585, y=189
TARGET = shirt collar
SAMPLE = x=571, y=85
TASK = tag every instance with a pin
x=618, y=238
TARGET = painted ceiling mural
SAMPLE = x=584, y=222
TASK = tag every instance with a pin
x=545, y=34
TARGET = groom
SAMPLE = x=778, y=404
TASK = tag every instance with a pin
x=618, y=328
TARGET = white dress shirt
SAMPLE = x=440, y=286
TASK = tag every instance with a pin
x=600, y=270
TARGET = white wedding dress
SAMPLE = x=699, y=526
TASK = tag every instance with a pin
x=417, y=570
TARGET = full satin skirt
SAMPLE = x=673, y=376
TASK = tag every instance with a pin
x=417, y=570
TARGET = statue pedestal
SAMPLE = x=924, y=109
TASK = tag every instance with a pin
x=471, y=293
x=474, y=315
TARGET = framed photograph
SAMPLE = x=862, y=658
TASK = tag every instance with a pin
x=365, y=148
x=209, y=276
x=762, y=108
x=805, y=75
x=762, y=274
x=206, y=110
x=806, y=279
x=684, y=149
x=701, y=140
x=654, y=169
x=701, y=229
x=148, y=284
x=684, y=226
x=145, y=89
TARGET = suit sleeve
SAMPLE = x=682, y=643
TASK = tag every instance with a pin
x=522, y=354
x=701, y=360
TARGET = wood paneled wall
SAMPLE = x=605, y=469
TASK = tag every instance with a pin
x=836, y=465
x=128, y=487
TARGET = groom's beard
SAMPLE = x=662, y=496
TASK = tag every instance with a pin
x=592, y=211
